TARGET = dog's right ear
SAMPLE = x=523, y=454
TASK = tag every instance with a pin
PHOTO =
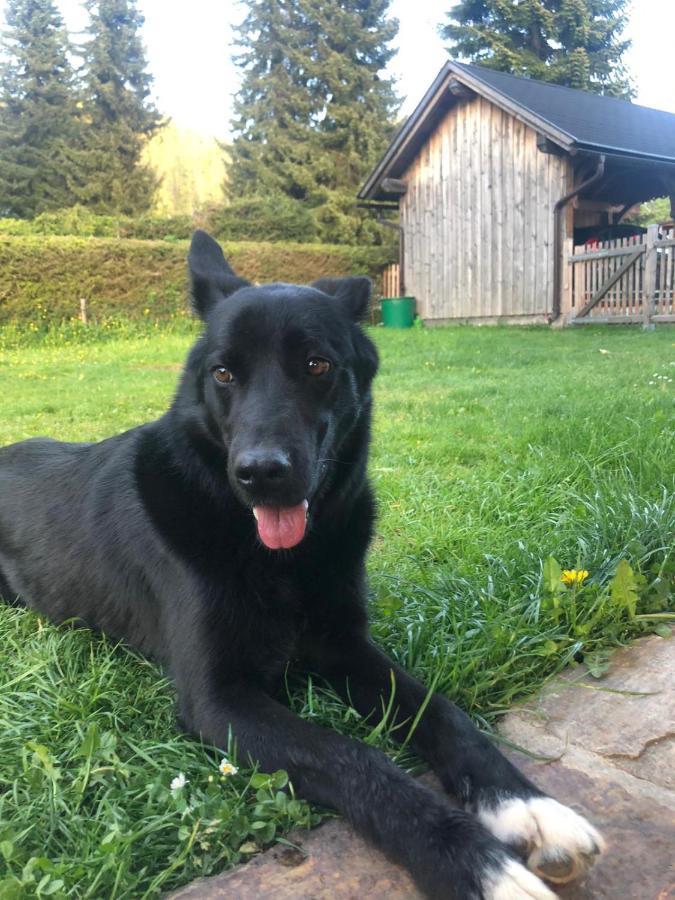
x=211, y=278
x=353, y=292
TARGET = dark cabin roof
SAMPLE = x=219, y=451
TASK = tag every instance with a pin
x=573, y=120
x=591, y=120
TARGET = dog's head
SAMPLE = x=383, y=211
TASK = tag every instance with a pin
x=284, y=375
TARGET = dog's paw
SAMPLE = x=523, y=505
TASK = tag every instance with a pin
x=558, y=844
x=511, y=881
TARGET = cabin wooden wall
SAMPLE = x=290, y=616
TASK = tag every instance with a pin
x=478, y=218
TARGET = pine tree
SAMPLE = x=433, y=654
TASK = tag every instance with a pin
x=314, y=110
x=274, y=141
x=577, y=43
x=592, y=50
x=356, y=105
x=39, y=117
x=121, y=118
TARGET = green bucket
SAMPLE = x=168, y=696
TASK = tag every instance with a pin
x=398, y=312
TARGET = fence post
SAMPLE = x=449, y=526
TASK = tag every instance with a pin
x=83, y=310
x=566, y=274
x=649, y=297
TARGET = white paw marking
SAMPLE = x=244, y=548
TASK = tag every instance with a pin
x=561, y=845
x=513, y=882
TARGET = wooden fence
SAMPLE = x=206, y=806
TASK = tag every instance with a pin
x=391, y=281
x=622, y=280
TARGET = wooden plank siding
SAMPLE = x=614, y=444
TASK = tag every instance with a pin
x=478, y=218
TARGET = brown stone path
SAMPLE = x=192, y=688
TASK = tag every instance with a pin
x=613, y=742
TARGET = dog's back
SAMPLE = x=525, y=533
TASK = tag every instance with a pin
x=68, y=517
x=36, y=480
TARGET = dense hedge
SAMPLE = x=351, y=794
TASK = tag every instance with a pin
x=43, y=278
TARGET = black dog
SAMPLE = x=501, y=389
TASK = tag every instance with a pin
x=229, y=537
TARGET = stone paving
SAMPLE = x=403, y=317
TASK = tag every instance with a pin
x=612, y=746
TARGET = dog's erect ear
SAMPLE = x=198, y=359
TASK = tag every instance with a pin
x=211, y=278
x=354, y=292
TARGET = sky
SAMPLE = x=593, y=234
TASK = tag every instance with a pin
x=188, y=49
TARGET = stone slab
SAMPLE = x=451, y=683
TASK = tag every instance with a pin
x=640, y=833
x=628, y=716
x=333, y=864
x=609, y=753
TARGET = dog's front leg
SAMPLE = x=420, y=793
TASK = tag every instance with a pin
x=558, y=843
x=448, y=852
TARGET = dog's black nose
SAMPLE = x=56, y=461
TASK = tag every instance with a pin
x=260, y=468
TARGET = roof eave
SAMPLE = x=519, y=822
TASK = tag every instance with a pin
x=405, y=134
x=622, y=153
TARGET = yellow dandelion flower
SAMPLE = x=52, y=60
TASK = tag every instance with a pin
x=574, y=576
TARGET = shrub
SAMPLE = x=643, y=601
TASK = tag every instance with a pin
x=340, y=221
x=652, y=212
x=333, y=218
x=276, y=218
x=157, y=228
x=43, y=278
x=78, y=221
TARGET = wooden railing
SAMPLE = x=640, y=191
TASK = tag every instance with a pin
x=622, y=280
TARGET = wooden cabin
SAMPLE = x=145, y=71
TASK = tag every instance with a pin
x=505, y=185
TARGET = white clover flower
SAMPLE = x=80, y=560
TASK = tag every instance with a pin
x=178, y=782
x=226, y=768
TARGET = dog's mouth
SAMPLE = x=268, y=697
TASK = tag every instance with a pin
x=281, y=527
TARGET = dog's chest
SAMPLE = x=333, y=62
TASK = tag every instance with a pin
x=256, y=625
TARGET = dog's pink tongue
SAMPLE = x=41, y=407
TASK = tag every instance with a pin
x=281, y=526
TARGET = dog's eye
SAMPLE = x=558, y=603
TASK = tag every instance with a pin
x=318, y=366
x=223, y=375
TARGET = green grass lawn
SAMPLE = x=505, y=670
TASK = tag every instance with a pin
x=494, y=450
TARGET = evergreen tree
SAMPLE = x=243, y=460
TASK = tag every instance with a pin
x=121, y=118
x=577, y=43
x=356, y=106
x=274, y=142
x=39, y=117
x=314, y=111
